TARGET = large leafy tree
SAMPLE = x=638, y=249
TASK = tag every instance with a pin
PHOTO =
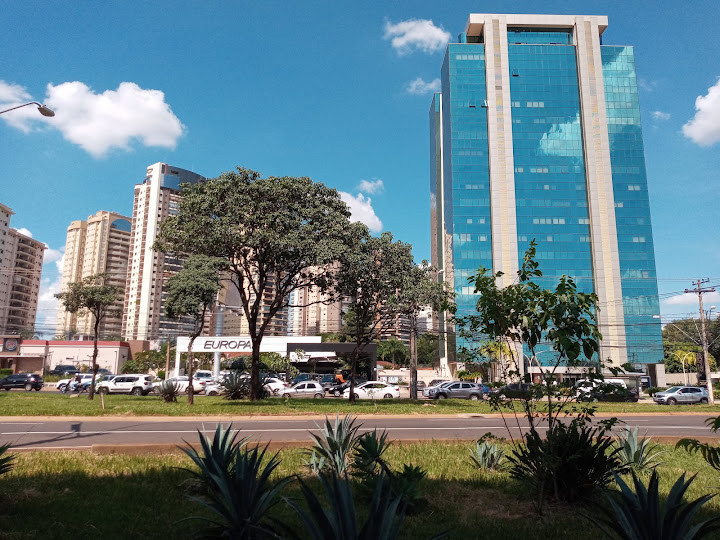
x=192, y=292
x=277, y=235
x=370, y=277
x=418, y=291
x=95, y=296
x=393, y=351
x=428, y=349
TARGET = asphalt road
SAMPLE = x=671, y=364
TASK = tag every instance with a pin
x=27, y=433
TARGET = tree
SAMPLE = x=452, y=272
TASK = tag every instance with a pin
x=278, y=363
x=92, y=295
x=370, y=276
x=418, y=291
x=428, y=351
x=393, y=351
x=277, y=235
x=143, y=362
x=192, y=291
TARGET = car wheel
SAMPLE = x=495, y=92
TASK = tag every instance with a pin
x=672, y=401
x=704, y=400
x=286, y=396
x=388, y=396
x=136, y=392
x=37, y=389
x=356, y=396
x=337, y=393
x=28, y=387
x=104, y=391
x=441, y=396
x=474, y=397
x=212, y=393
x=318, y=396
x=62, y=387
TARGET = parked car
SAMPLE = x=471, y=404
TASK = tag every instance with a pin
x=302, y=377
x=64, y=369
x=328, y=381
x=433, y=384
x=374, y=390
x=518, y=390
x=204, y=375
x=338, y=389
x=128, y=383
x=305, y=389
x=421, y=386
x=679, y=395
x=183, y=382
x=608, y=391
x=275, y=386
x=457, y=390
x=28, y=381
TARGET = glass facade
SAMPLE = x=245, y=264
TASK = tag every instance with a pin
x=632, y=207
x=541, y=73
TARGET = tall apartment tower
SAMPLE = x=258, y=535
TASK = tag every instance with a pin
x=156, y=198
x=21, y=259
x=536, y=134
x=99, y=245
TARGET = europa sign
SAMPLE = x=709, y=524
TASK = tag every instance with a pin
x=219, y=344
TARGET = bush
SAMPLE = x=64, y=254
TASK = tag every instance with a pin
x=6, y=460
x=570, y=464
x=235, y=386
x=487, y=455
x=640, y=515
x=651, y=391
x=161, y=374
x=5, y=372
x=168, y=391
x=335, y=443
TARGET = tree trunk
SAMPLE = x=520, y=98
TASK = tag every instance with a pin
x=255, y=372
x=413, y=364
x=91, y=392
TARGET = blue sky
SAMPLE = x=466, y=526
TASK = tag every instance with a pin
x=334, y=90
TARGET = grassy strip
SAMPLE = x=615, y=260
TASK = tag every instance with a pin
x=52, y=404
x=80, y=494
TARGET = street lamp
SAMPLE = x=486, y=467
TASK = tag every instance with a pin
x=682, y=359
x=45, y=111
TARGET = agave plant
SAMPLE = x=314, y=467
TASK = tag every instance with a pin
x=340, y=520
x=487, y=455
x=635, y=453
x=218, y=455
x=315, y=462
x=235, y=386
x=239, y=502
x=168, y=391
x=335, y=443
x=367, y=457
x=640, y=515
x=6, y=460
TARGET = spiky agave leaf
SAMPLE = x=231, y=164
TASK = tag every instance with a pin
x=640, y=514
x=6, y=460
x=218, y=454
x=487, y=456
x=368, y=451
x=636, y=453
x=335, y=442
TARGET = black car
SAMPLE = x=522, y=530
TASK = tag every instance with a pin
x=28, y=381
x=328, y=381
x=64, y=369
x=304, y=377
x=338, y=389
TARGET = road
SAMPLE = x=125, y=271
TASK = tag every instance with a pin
x=86, y=433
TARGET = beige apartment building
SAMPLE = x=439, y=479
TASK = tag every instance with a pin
x=99, y=245
x=21, y=259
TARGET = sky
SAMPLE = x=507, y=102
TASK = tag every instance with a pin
x=334, y=90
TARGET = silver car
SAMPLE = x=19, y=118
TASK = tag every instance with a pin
x=305, y=389
x=433, y=384
x=678, y=395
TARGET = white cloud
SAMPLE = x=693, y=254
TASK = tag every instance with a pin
x=416, y=34
x=704, y=127
x=371, y=187
x=101, y=122
x=53, y=255
x=647, y=85
x=47, y=310
x=23, y=230
x=691, y=299
x=13, y=93
x=561, y=139
x=361, y=210
x=659, y=115
x=420, y=87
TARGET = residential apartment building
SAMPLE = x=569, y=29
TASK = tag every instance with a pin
x=99, y=245
x=156, y=198
x=536, y=134
x=21, y=259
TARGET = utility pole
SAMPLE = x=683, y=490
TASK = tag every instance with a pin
x=167, y=360
x=703, y=334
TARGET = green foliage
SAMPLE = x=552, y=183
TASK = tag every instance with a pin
x=168, y=391
x=161, y=374
x=335, y=443
x=428, y=349
x=278, y=363
x=636, y=454
x=569, y=465
x=6, y=460
x=235, y=386
x=368, y=453
x=710, y=453
x=194, y=288
x=641, y=515
x=394, y=351
x=652, y=390
x=218, y=455
x=5, y=372
x=487, y=455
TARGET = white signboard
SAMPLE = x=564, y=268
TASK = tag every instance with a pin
x=278, y=344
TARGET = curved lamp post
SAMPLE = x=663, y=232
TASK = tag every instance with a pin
x=45, y=111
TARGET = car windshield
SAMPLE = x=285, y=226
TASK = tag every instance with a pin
x=672, y=389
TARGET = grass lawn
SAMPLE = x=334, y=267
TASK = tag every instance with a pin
x=83, y=495
x=16, y=403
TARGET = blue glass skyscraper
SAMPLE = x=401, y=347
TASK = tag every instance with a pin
x=536, y=134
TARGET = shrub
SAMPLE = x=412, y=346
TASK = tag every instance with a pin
x=487, y=455
x=335, y=443
x=168, y=391
x=570, y=464
x=710, y=453
x=6, y=460
x=636, y=454
x=652, y=390
x=367, y=457
x=5, y=372
x=235, y=386
x=640, y=515
x=161, y=374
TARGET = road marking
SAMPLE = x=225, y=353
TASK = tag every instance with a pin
x=21, y=423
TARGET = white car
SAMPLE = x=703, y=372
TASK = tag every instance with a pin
x=137, y=384
x=374, y=390
x=275, y=386
x=183, y=382
x=311, y=389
